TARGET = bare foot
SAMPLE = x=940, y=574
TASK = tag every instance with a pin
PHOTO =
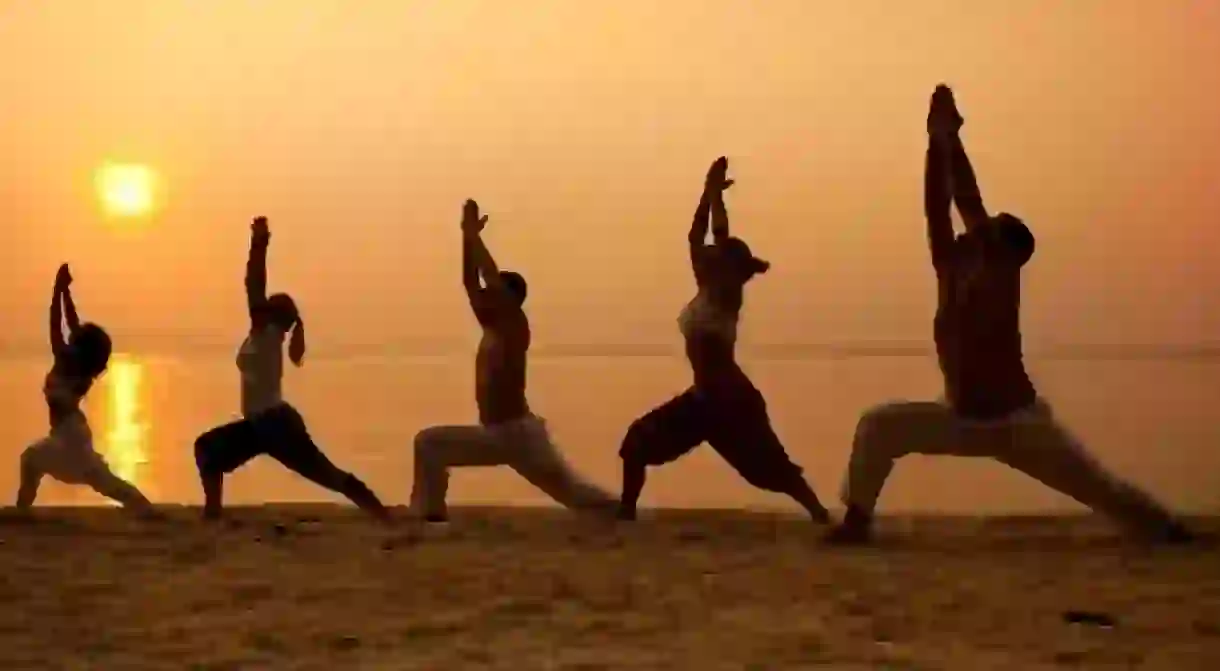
x=625, y=513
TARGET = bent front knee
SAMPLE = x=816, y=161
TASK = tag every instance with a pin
x=634, y=448
x=205, y=448
x=427, y=444
x=882, y=418
x=877, y=428
x=29, y=459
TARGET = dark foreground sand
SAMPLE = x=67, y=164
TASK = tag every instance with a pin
x=320, y=588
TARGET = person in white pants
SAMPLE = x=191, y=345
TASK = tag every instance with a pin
x=67, y=453
x=508, y=433
x=991, y=408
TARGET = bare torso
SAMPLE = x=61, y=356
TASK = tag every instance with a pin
x=500, y=369
x=978, y=339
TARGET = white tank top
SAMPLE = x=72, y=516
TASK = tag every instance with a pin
x=701, y=317
x=261, y=363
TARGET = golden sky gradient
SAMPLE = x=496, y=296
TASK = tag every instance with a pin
x=584, y=129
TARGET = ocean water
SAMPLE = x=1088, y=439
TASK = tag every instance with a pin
x=1151, y=419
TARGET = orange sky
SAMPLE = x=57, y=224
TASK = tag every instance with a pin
x=584, y=129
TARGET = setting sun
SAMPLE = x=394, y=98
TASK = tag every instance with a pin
x=126, y=190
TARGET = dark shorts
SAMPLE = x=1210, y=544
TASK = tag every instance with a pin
x=279, y=433
x=735, y=424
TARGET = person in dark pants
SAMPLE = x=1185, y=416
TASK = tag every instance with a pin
x=722, y=408
x=269, y=425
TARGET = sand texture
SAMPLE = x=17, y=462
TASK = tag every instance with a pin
x=524, y=589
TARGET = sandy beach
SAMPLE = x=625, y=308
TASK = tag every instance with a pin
x=320, y=587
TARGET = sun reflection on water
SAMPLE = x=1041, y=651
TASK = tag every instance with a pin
x=126, y=430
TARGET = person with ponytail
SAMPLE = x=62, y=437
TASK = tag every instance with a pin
x=67, y=453
x=269, y=425
x=722, y=407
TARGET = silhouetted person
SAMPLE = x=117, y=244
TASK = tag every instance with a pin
x=269, y=425
x=67, y=453
x=508, y=433
x=723, y=407
x=990, y=408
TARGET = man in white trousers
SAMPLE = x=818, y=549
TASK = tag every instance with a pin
x=990, y=408
x=508, y=433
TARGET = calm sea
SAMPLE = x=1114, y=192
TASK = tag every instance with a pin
x=1151, y=418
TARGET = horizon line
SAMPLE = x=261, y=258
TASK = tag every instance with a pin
x=178, y=346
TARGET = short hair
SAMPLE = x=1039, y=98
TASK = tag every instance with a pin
x=1016, y=236
x=515, y=284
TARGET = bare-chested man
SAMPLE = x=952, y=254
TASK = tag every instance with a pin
x=508, y=433
x=990, y=408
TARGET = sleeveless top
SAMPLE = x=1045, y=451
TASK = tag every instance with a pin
x=261, y=363
x=711, y=335
x=701, y=318
x=63, y=394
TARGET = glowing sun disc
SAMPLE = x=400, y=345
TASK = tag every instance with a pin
x=126, y=190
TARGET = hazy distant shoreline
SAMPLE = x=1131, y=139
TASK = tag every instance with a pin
x=189, y=348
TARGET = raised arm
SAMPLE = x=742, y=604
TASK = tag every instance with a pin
x=936, y=203
x=61, y=303
x=711, y=206
x=720, y=216
x=964, y=184
x=483, y=262
x=470, y=270
x=256, y=272
x=477, y=263
x=58, y=344
x=470, y=279
x=716, y=184
x=70, y=316
x=962, y=181
x=698, y=230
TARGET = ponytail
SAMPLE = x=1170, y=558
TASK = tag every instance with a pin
x=296, y=343
x=285, y=315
